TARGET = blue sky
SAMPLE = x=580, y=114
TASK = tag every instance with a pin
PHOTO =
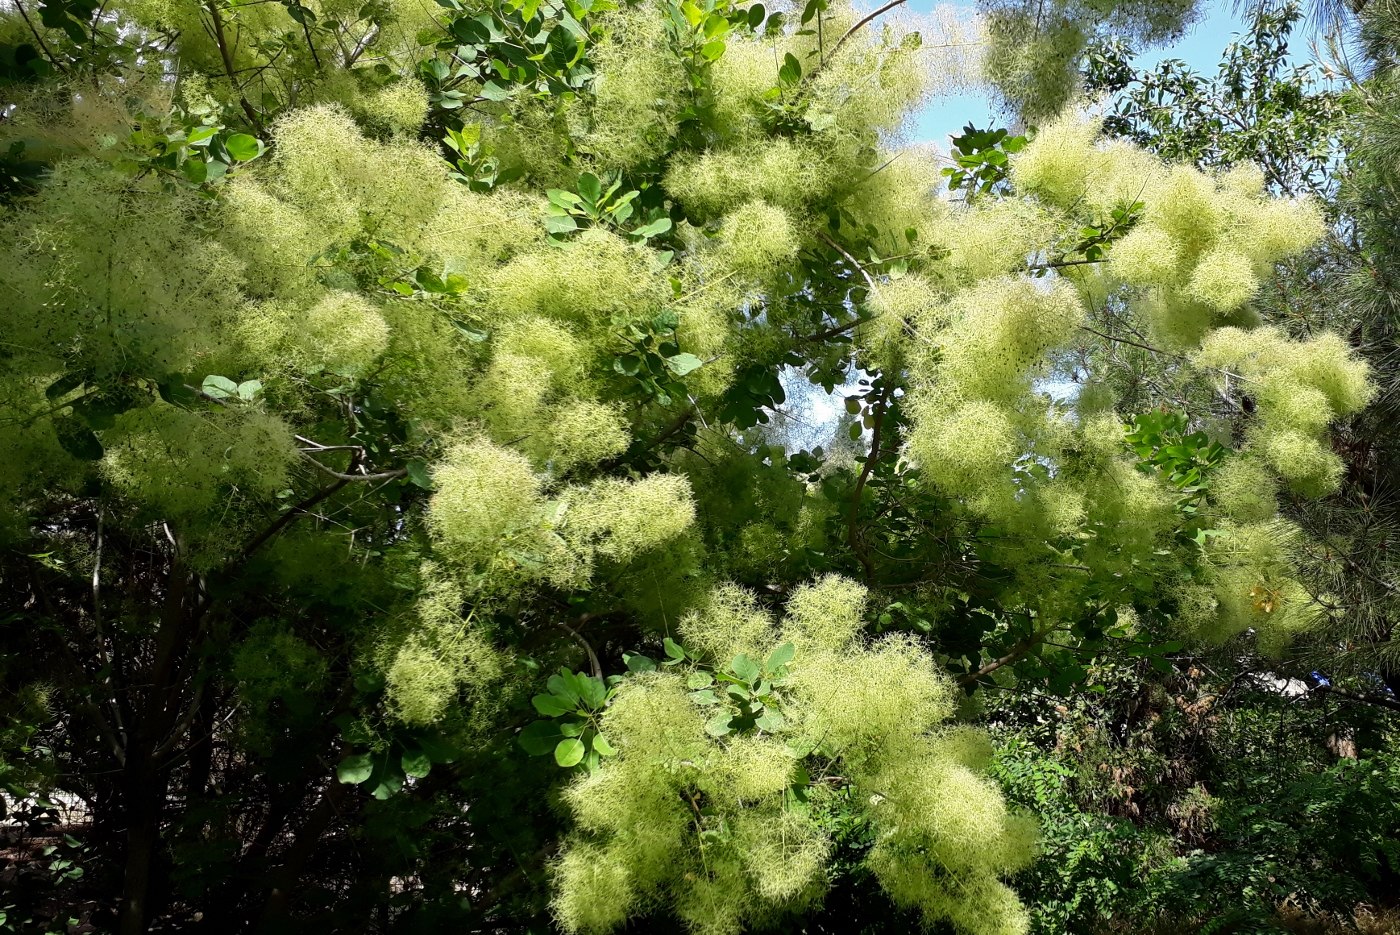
x=1200, y=48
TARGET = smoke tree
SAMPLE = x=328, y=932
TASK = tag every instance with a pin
x=385, y=395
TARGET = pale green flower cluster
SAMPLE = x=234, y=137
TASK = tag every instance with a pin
x=438, y=657
x=1203, y=244
x=709, y=826
x=1299, y=388
x=493, y=522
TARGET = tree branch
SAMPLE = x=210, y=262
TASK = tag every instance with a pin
x=879, y=410
x=862, y=24
x=856, y=264
x=39, y=39
x=1018, y=652
x=382, y=475
x=286, y=518
x=1376, y=700
x=593, y=661
x=227, y=56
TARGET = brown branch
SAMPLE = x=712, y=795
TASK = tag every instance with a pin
x=594, y=663
x=382, y=475
x=833, y=332
x=1377, y=700
x=227, y=55
x=879, y=410
x=40, y=39
x=286, y=518
x=306, y=31
x=1057, y=264
x=1137, y=344
x=1018, y=652
x=862, y=24
x=857, y=264
x=674, y=426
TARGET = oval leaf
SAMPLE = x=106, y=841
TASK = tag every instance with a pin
x=551, y=705
x=569, y=752
x=354, y=770
x=539, y=738
x=243, y=147
x=415, y=763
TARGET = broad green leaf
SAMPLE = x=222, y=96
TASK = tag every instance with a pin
x=243, y=147
x=391, y=783
x=593, y=691
x=563, y=684
x=551, y=705
x=718, y=725
x=655, y=228
x=673, y=649
x=569, y=752
x=770, y=721
x=354, y=770
x=219, y=387
x=589, y=188
x=418, y=474
x=780, y=657
x=63, y=386
x=539, y=738
x=560, y=223
x=699, y=679
x=791, y=71
x=416, y=763
x=745, y=668
x=636, y=662
x=682, y=364
x=77, y=439
x=600, y=743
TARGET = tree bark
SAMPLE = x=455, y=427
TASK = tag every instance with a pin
x=144, y=796
x=286, y=877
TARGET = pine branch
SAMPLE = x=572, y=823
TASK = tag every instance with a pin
x=1377, y=700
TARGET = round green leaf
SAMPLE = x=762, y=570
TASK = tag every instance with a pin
x=243, y=147
x=416, y=763
x=681, y=364
x=354, y=770
x=569, y=752
x=718, y=725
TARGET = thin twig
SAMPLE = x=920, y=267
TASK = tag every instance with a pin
x=38, y=38
x=382, y=475
x=594, y=663
x=879, y=410
x=862, y=24
x=1390, y=703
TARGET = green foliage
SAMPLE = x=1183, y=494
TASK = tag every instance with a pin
x=572, y=707
x=366, y=363
x=981, y=159
x=1260, y=107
